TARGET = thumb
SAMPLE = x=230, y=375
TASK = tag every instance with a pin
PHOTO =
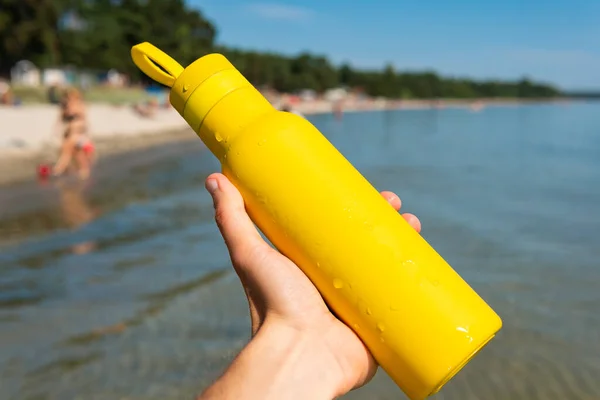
x=268, y=276
x=238, y=231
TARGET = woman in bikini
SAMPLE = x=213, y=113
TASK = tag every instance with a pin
x=76, y=144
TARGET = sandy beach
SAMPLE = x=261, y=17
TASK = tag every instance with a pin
x=29, y=134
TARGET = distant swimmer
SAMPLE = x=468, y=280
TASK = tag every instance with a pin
x=338, y=110
x=437, y=103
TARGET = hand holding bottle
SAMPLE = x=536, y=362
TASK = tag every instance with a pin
x=287, y=314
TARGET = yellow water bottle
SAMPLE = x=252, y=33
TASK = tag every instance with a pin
x=421, y=321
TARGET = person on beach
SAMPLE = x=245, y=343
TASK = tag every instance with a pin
x=76, y=144
x=7, y=97
x=299, y=349
x=288, y=108
x=147, y=109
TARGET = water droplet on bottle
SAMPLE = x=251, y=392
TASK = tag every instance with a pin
x=412, y=268
x=356, y=327
x=380, y=327
x=338, y=283
x=461, y=329
x=186, y=87
x=318, y=264
x=369, y=312
x=382, y=340
x=218, y=137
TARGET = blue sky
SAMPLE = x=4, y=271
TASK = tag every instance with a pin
x=555, y=41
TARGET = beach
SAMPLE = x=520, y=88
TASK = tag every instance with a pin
x=29, y=135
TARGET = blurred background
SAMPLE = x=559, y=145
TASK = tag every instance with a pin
x=114, y=281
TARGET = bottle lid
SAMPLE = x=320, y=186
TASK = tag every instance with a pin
x=183, y=81
x=213, y=97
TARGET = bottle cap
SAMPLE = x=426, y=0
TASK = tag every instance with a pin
x=213, y=97
x=184, y=81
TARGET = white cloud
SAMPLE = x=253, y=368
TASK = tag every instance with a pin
x=281, y=12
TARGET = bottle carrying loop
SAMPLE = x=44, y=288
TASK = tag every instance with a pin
x=156, y=64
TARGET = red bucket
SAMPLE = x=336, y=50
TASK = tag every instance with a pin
x=44, y=171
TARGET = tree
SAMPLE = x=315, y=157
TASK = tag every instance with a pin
x=346, y=75
x=28, y=31
x=99, y=34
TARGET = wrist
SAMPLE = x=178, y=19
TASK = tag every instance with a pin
x=281, y=362
x=303, y=364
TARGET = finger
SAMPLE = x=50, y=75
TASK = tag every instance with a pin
x=392, y=199
x=268, y=276
x=413, y=221
x=238, y=231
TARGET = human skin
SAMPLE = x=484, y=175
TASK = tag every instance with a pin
x=299, y=349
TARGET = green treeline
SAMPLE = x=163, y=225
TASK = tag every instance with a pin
x=98, y=35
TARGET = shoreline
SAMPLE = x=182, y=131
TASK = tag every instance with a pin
x=26, y=138
x=19, y=167
x=371, y=104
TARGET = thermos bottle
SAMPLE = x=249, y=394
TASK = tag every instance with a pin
x=421, y=321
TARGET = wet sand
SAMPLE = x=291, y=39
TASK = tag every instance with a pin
x=118, y=173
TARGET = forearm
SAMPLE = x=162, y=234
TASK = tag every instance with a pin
x=278, y=364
